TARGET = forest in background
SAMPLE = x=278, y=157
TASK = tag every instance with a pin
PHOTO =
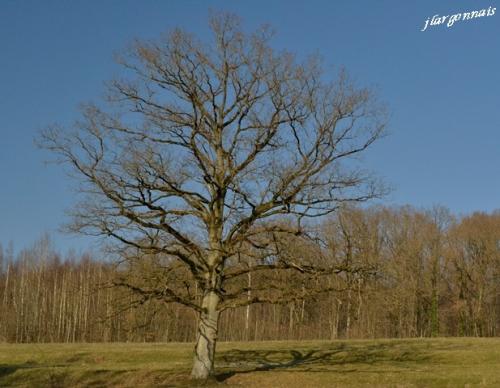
x=406, y=273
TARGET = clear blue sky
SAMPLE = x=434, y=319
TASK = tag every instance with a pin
x=442, y=87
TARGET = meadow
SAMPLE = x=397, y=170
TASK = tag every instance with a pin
x=442, y=362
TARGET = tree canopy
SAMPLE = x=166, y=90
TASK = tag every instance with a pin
x=208, y=156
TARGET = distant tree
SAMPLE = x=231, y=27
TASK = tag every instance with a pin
x=208, y=158
x=473, y=255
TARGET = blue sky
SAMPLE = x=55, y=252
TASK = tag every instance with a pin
x=442, y=87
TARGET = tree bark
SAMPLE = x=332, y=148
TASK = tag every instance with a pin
x=203, y=366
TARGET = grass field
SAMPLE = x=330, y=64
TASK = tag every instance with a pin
x=449, y=362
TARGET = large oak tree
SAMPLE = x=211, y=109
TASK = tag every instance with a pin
x=207, y=157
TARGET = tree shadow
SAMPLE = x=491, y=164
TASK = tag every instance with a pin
x=58, y=377
x=321, y=359
x=6, y=370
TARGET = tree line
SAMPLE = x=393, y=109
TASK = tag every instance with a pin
x=402, y=272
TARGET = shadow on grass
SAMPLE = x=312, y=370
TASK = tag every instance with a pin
x=318, y=360
x=6, y=370
x=42, y=374
x=52, y=380
x=37, y=375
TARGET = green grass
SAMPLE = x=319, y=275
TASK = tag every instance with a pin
x=444, y=362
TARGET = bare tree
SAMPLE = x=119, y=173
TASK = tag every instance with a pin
x=208, y=157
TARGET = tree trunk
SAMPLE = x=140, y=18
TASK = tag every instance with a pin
x=203, y=366
x=247, y=315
